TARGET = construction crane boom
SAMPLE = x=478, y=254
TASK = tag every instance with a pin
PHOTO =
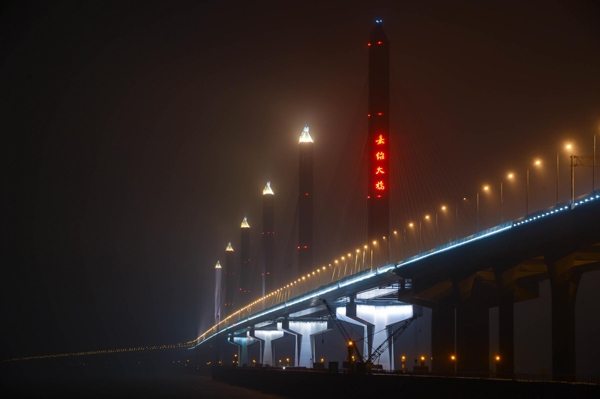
x=388, y=341
x=344, y=333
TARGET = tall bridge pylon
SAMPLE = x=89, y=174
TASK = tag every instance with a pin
x=378, y=146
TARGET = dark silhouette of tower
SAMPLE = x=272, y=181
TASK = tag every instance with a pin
x=378, y=144
x=305, y=204
x=245, y=268
x=229, y=280
x=268, y=239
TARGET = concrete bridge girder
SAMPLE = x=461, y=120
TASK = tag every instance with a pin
x=268, y=337
x=305, y=332
x=243, y=342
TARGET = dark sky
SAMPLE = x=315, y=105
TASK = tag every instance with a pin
x=138, y=134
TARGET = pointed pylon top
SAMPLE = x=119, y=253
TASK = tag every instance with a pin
x=378, y=36
x=305, y=136
x=268, y=189
x=245, y=224
x=218, y=266
x=229, y=248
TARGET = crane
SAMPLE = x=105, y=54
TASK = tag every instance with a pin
x=353, y=348
x=388, y=341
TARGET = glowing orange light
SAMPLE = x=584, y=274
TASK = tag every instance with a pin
x=369, y=44
x=379, y=170
x=380, y=155
x=378, y=42
x=380, y=140
x=380, y=185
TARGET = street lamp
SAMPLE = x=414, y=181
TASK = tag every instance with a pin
x=411, y=225
x=421, y=232
x=485, y=188
x=443, y=208
x=537, y=163
x=567, y=147
x=509, y=176
x=456, y=219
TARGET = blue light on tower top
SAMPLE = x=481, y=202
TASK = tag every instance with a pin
x=378, y=21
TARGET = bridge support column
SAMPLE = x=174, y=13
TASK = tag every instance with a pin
x=285, y=327
x=351, y=314
x=506, y=335
x=443, y=345
x=243, y=343
x=268, y=336
x=472, y=328
x=306, y=331
x=505, y=286
x=563, y=284
x=261, y=342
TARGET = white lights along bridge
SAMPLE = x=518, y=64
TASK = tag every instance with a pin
x=368, y=279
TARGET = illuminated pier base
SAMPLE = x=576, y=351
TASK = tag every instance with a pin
x=268, y=336
x=243, y=343
x=376, y=318
x=305, y=332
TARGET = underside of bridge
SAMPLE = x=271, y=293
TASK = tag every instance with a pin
x=460, y=305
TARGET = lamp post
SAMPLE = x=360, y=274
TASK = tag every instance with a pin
x=509, y=176
x=485, y=188
x=572, y=181
x=456, y=219
x=420, y=235
x=421, y=232
x=594, y=168
x=536, y=163
x=568, y=147
x=411, y=225
x=436, y=225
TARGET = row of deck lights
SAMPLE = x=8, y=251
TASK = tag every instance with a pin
x=427, y=217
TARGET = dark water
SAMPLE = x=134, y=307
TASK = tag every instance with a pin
x=139, y=386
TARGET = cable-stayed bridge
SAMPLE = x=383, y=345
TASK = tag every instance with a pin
x=376, y=284
x=459, y=281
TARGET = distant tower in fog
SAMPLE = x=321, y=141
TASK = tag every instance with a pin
x=378, y=142
x=244, y=289
x=218, y=293
x=229, y=280
x=305, y=204
x=268, y=239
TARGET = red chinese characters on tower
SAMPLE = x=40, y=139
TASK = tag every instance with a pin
x=380, y=141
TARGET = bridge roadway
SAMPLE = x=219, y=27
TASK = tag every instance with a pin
x=459, y=281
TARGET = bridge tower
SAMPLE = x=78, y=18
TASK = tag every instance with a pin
x=218, y=292
x=229, y=280
x=268, y=239
x=245, y=267
x=378, y=145
x=305, y=204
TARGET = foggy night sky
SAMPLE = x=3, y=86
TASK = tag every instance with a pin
x=139, y=134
